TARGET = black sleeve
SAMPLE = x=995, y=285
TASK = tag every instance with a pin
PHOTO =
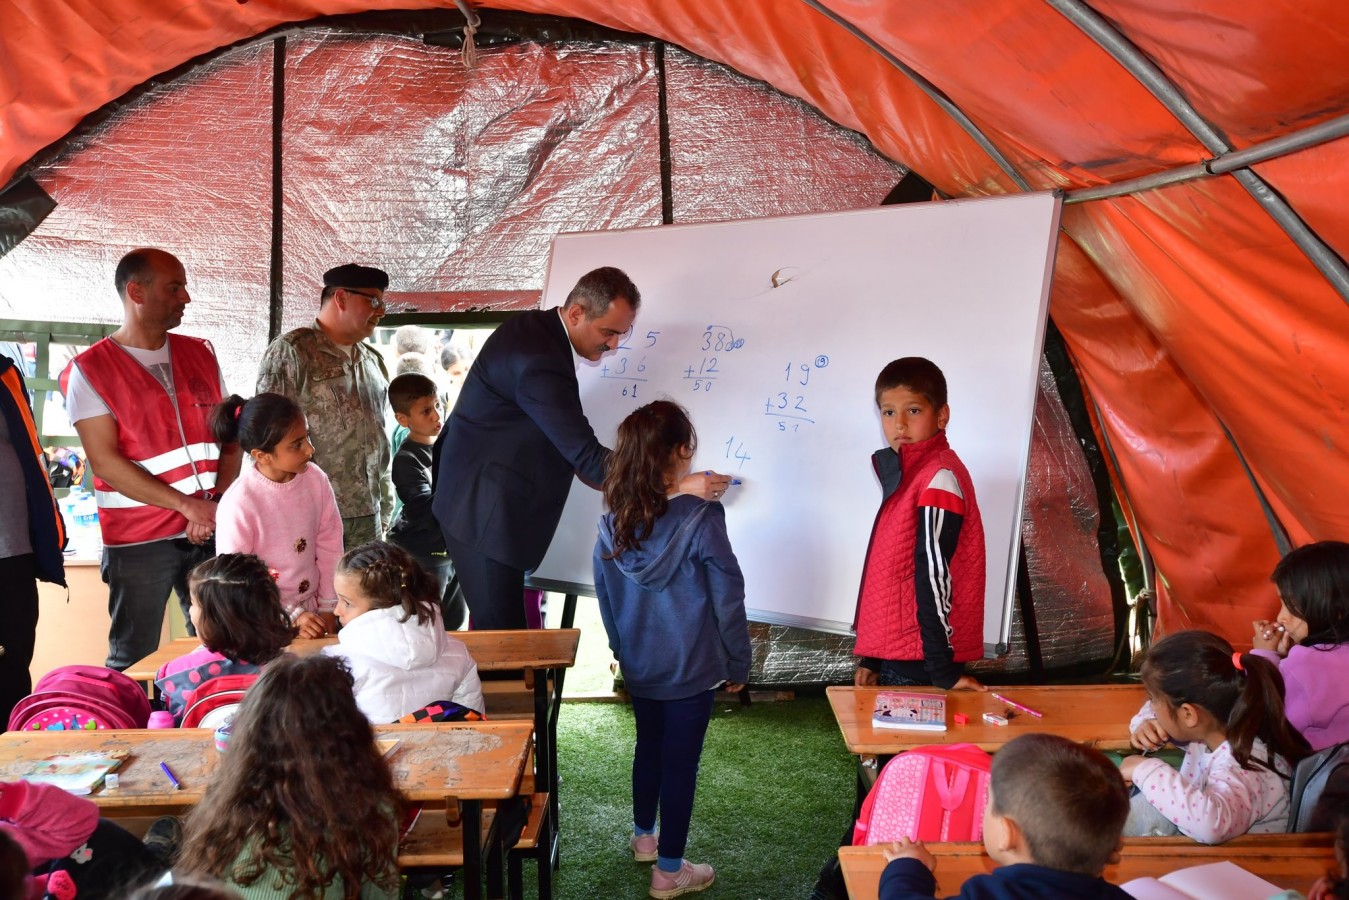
x=412, y=480
x=938, y=534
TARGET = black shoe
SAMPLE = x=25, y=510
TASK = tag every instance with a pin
x=163, y=839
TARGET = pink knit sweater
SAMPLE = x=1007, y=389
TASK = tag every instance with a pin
x=295, y=527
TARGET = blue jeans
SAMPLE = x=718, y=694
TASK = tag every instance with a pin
x=665, y=765
x=139, y=579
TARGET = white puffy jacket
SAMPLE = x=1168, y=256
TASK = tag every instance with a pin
x=400, y=667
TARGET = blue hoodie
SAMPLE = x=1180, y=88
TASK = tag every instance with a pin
x=674, y=607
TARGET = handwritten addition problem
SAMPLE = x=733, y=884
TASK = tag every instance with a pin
x=788, y=405
x=789, y=399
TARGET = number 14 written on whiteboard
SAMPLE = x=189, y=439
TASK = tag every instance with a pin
x=737, y=451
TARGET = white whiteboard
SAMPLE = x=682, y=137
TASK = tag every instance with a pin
x=779, y=380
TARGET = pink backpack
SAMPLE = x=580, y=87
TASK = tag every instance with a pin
x=82, y=697
x=935, y=793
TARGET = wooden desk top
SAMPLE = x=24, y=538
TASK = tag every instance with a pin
x=1291, y=861
x=432, y=761
x=540, y=648
x=1093, y=714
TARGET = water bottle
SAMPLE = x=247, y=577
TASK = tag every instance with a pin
x=160, y=718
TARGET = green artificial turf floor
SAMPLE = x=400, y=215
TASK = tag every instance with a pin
x=775, y=792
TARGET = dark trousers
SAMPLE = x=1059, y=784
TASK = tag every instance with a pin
x=139, y=579
x=494, y=590
x=18, y=629
x=665, y=765
x=453, y=608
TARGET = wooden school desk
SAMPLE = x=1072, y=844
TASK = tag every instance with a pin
x=436, y=764
x=1291, y=861
x=1094, y=714
x=546, y=651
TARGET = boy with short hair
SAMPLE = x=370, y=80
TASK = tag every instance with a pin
x=920, y=607
x=416, y=405
x=1055, y=812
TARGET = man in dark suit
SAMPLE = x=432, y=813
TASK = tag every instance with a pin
x=516, y=436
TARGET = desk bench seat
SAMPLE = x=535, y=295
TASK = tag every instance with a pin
x=1288, y=860
x=432, y=843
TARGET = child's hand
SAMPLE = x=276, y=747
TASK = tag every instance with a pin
x=865, y=677
x=907, y=849
x=1270, y=636
x=1127, y=766
x=310, y=625
x=1149, y=736
x=968, y=683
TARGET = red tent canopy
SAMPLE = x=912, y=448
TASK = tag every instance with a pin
x=1204, y=304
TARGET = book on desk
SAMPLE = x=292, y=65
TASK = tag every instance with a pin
x=76, y=773
x=1214, y=881
x=909, y=711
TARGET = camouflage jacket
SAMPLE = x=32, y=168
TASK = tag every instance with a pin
x=346, y=402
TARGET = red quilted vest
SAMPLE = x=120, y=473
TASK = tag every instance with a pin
x=167, y=436
x=887, y=614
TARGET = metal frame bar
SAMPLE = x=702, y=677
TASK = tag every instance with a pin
x=1137, y=64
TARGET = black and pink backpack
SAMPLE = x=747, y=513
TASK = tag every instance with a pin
x=73, y=698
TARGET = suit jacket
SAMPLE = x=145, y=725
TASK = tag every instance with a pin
x=517, y=434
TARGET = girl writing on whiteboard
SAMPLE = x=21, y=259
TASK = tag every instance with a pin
x=673, y=603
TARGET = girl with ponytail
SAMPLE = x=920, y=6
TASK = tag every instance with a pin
x=281, y=508
x=1227, y=708
x=393, y=638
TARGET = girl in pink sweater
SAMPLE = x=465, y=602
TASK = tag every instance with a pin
x=282, y=508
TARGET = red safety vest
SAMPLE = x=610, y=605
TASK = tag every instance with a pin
x=166, y=435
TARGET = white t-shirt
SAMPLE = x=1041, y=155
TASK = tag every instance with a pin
x=83, y=402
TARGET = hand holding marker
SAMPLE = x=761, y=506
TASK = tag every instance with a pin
x=716, y=495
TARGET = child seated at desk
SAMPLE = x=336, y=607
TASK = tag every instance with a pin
x=393, y=638
x=70, y=852
x=1227, y=708
x=303, y=803
x=1309, y=640
x=1052, y=823
x=236, y=610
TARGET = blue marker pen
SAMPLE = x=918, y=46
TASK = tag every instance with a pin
x=733, y=480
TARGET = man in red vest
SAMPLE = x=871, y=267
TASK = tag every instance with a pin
x=140, y=400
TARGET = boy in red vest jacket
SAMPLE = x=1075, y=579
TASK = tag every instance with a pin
x=920, y=608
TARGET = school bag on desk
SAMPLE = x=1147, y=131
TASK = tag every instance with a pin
x=217, y=700
x=72, y=698
x=935, y=793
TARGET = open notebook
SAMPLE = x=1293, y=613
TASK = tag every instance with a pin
x=1214, y=881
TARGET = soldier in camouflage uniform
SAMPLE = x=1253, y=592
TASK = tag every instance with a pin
x=342, y=386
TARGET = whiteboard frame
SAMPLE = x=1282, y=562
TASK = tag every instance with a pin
x=1030, y=388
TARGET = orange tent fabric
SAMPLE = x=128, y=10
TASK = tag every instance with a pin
x=1203, y=336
